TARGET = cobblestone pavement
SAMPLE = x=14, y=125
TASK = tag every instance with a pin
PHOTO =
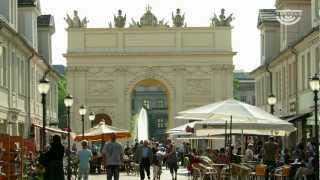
x=123, y=176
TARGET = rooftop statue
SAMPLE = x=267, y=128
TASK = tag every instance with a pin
x=76, y=22
x=148, y=20
x=178, y=20
x=222, y=20
x=119, y=21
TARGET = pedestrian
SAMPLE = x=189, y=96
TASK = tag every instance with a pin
x=52, y=160
x=172, y=161
x=271, y=150
x=84, y=156
x=249, y=156
x=112, y=153
x=144, y=157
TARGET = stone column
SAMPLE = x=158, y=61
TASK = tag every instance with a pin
x=179, y=73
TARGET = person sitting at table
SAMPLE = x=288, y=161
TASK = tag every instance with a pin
x=307, y=170
x=194, y=159
x=223, y=157
x=249, y=156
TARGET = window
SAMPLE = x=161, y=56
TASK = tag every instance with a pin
x=284, y=88
x=290, y=79
x=161, y=123
x=262, y=49
x=146, y=103
x=160, y=103
x=23, y=79
x=5, y=68
x=317, y=8
x=243, y=98
x=19, y=75
x=303, y=74
x=13, y=74
x=317, y=60
x=253, y=100
x=308, y=66
x=1, y=65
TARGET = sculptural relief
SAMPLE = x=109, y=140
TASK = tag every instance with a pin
x=222, y=20
x=100, y=87
x=197, y=86
x=178, y=20
x=76, y=22
x=119, y=21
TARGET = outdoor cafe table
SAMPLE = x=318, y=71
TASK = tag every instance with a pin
x=294, y=167
x=218, y=168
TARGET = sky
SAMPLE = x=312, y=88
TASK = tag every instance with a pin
x=245, y=35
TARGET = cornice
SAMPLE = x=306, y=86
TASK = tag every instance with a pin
x=86, y=54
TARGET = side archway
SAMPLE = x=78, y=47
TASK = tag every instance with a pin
x=102, y=117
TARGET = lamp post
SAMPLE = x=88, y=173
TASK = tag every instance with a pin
x=315, y=86
x=68, y=101
x=82, y=112
x=43, y=88
x=92, y=116
x=272, y=100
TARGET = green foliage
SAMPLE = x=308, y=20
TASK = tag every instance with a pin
x=62, y=93
x=236, y=89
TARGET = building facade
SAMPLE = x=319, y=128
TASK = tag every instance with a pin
x=25, y=57
x=289, y=58
x=245, y=91
x=105, y=65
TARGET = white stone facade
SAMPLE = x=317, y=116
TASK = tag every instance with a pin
x=21, y=68
x=193, y=64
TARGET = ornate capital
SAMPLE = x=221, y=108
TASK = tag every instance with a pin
x=121, y=69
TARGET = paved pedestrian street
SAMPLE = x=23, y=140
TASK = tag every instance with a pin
x=164, y=176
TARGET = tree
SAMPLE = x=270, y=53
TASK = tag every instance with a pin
x=236, y=88
x=62, y=93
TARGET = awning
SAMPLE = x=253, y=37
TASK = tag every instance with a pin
x=297, y=117
x=50, y=129
x=200, y=138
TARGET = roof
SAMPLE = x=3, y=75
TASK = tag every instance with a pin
x=297, y=117
x=4, y=24
x=27, y=3
x=242, y=76
x=59, y=68
x=45, y=20
x=267, y=15
x=289, y=48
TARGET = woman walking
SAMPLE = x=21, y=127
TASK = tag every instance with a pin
x=52, y=160
x=172, y=161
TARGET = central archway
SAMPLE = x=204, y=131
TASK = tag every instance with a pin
x=102, y=117
x=153, y=96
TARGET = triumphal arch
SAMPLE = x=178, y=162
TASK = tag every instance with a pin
x=104, y=65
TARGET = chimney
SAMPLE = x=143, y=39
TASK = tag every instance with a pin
x=46, y=28
x=28, y=11
x=8, y=12
x=291, y=33
x=269, y=35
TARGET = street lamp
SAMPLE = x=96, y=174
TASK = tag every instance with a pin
x=82, y=112
x=68, y=101
x=92, y=116
x=272, y=100
x=43, y=88
x=315, y=87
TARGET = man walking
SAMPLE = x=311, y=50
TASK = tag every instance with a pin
x=144, y=158
x=85, y=156
x=271, y=150
x=112, y=152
